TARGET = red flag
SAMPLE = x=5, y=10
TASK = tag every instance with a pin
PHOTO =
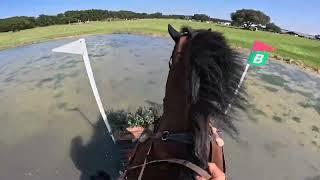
x=260, y=46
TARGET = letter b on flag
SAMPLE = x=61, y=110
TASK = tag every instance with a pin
x=258, y=58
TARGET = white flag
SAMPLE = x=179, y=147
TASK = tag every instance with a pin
x=79, y=47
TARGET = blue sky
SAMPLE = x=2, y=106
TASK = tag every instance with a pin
x=299, y=15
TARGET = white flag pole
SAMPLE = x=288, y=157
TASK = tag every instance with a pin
x=95, y=90
x=239, y=85
x=79, y=47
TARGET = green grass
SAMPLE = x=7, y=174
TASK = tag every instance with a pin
x=307, y=51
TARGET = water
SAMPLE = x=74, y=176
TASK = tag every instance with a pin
x=49, y=119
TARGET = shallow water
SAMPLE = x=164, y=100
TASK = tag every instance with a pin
x=49, y=119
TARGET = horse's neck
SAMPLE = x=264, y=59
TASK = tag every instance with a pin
x=174, y=117
x=176, y=103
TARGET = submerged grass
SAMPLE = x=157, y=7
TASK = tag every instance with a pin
x=277, y=119
x=308, y=51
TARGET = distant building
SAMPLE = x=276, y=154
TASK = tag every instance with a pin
x=284, y=31
x=226, y=23
x=298, y=34
x=222, y=21
x=308, y=36
x=259, y=26
x=255, y=27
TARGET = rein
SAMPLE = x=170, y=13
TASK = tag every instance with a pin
x=203, y=173
x=166, y=136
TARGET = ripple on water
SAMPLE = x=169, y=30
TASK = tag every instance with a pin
x=273, y=79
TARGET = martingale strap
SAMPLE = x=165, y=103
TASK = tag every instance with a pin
x=185, y=138
x=182, y=162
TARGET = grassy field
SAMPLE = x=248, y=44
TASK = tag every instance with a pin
x=307, y=51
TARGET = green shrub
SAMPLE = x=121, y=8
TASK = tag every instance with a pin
x=142, y=117
x=120, y=119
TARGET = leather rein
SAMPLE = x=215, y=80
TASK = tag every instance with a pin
x=166, y=136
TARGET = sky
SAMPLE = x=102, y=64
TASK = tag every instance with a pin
x=298, y=15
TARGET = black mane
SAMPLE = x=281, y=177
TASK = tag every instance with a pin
x=215, y=75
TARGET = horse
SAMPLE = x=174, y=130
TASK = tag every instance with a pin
x=203, y=75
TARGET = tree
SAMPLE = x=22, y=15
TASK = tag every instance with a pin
x=174, y=16
x=273, y=28
x=45, y=20
x=201, y=17
x=155, y=15
x=73, y=15
x=248, y=17
x=16, y=23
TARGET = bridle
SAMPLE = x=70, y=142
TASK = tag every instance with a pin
x=149, y=137
x=186, y=34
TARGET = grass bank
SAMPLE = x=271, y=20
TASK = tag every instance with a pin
x=304, y=50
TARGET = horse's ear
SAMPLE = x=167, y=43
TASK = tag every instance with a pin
x=173, y=33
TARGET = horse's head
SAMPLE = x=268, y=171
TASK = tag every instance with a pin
x=201, y=82
x=203, y=75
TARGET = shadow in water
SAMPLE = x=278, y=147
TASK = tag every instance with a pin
x=77, y=109
x=99, y=154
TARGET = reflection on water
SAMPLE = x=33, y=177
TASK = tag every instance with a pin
x=49, y=119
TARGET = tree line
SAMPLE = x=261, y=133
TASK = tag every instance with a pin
x=245, y=18
x=18, y=23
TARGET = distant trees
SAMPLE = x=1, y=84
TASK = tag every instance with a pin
x=20, y=23
x=63, y=19
x=273, y=28
x=45, y=20
x=88, y=15
x=176, y=17
x=201, y=17
x=16, y=23
x=243, y=17
x=249, y=17
x=156, y=15
x=68, y=17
